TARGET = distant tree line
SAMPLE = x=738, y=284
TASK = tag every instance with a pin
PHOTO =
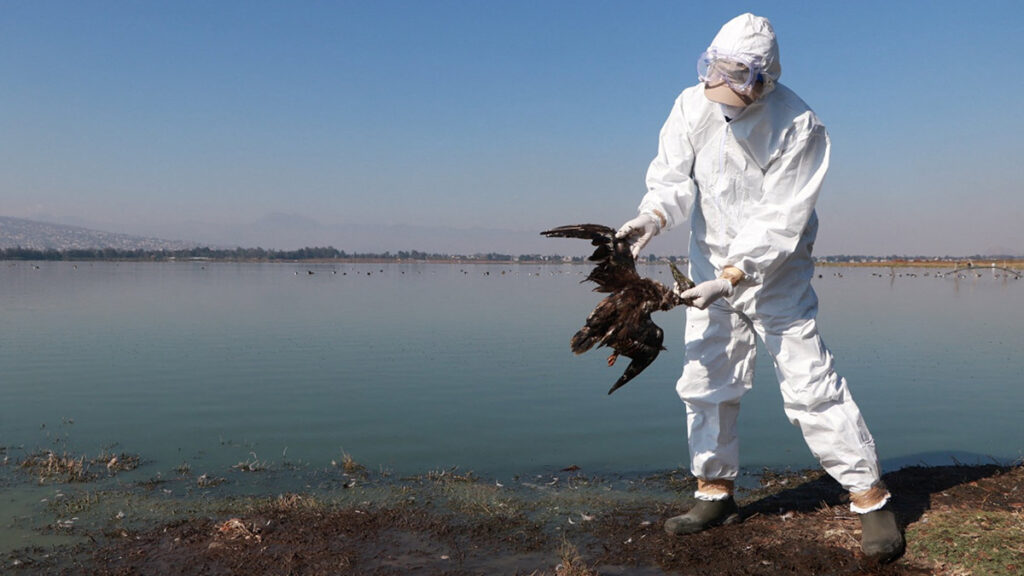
x=850, y=258
x=259, y=254
x=205, y=253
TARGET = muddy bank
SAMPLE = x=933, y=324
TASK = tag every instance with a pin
x=959, y=520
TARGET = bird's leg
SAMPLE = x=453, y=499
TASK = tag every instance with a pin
x=611, y=359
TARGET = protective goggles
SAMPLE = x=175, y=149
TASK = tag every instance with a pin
x=738, y=71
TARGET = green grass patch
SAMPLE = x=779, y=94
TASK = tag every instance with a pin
x=989, y=543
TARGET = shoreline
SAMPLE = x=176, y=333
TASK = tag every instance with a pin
x=958, y=519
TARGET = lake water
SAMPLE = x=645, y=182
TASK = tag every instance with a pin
x=415, y=367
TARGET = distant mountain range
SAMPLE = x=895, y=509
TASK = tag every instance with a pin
x=286, y=232
x=17, y=232
x=291, y=232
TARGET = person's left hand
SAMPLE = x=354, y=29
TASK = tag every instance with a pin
x=702, y=295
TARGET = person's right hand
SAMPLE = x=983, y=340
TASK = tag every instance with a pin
x=639, y=232
x=702, y=295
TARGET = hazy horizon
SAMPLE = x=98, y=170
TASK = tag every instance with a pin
x=402, y=238
x=462, y=127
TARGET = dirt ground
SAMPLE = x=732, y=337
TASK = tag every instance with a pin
x=959, y=520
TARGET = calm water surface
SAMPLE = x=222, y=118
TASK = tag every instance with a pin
x=414, y=367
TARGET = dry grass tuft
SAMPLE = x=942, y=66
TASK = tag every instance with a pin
x=570, y=561
x=50, y=466
x=63, y=468
x=349, y=465
x=118, y=462
x=295, y=503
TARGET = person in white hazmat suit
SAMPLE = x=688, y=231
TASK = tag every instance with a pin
x=742, y=158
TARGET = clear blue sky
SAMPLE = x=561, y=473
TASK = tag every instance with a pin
x=177, y=119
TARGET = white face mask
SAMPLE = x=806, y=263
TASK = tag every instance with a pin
x=732, y=111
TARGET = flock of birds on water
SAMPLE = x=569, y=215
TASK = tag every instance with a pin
x=557, y=268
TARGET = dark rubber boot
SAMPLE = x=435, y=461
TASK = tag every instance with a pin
x=881, y=538
x=705, y=514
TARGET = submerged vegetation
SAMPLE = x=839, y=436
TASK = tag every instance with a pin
x=48, y=466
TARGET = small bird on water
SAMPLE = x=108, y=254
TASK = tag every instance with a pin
x=622, y=320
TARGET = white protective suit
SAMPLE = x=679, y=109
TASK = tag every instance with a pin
x=748, y=187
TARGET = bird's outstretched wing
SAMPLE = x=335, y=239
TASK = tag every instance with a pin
x=622, y=320
x=614, y=267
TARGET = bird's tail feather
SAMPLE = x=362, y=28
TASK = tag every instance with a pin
x=635, y=367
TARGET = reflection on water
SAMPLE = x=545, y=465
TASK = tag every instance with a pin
x=412, y=367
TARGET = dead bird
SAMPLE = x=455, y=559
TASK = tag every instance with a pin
x=622, y=321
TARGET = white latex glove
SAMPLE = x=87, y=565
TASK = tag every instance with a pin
x=639, y=232
x=702, y=295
